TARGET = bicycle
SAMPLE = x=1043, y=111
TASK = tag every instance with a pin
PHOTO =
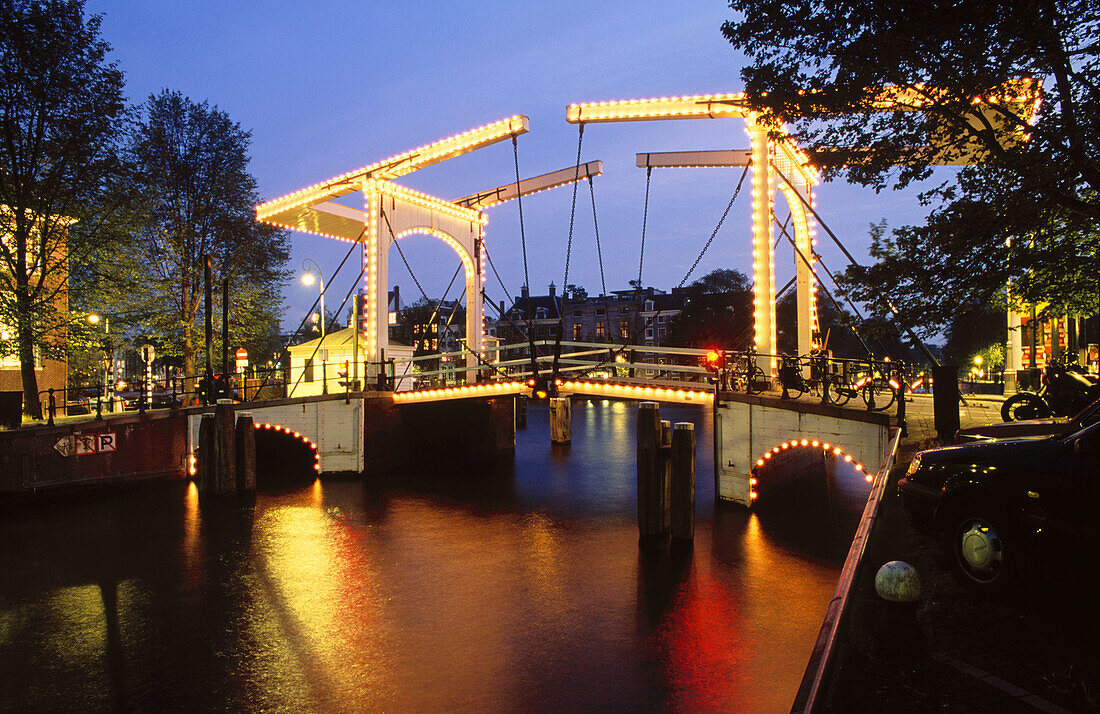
x=876, y=389
x=790, y=377
x=744, y=374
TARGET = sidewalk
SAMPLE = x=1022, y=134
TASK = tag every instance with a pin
x=1036, y=653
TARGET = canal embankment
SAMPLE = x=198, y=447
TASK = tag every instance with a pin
x=1026, y=653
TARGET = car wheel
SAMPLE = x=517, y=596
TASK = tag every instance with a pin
x=1024, y=406
x=980, y=552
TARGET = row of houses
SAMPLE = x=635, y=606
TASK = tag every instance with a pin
x=423, y=329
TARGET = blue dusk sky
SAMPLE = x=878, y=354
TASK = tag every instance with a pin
x=325, y=88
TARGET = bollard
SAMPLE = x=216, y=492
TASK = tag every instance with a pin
x=521, y=411
x=649, y=439
x=682, y=492
x=898, y=633
x=561, y=431
x=246, y=452
x=664, y=477
x=51, y=406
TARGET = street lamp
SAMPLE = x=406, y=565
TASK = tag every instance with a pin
x=307, y=279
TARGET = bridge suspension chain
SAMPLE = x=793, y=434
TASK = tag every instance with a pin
x=355, y=244
x=641, y=257
x=596, y=227
x=572, y=210
x=715, y=231
x=519, y=204
x=645, y=218
x=404, y=260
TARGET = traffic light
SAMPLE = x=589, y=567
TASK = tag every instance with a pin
x=714, y=361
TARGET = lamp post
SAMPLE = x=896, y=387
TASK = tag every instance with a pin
x=110, y=361
x=307, y=279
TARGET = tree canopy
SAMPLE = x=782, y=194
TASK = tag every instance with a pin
x=62, y=116
x=191, y=166
x=884, y=91
x=717, y=312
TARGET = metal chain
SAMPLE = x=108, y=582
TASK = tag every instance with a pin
x=404, y=260
x=645, y=218
x=519, y=203
x=596, y=226
x=715, y=231
x=485, y=252
x=573, y=209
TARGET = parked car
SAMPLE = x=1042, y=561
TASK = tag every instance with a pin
x=1001, y=506
x=1032, y=427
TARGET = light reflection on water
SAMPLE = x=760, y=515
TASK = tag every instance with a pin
x=519, y=586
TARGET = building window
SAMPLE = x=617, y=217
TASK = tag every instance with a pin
x=649, y=333
x=624, y=329
x=661, y=318
x=307, y=371
x=576, y=313
x=661, y=332
x=601, y=330
x=577, y=333
x=599, y=311
x=649, y=306
x=624, y=310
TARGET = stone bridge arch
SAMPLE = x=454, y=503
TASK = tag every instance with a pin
x=775, y=467
x=749, y=427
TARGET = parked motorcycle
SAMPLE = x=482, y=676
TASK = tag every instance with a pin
x=1065, y=391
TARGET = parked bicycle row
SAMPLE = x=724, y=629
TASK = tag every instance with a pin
x=833, y=381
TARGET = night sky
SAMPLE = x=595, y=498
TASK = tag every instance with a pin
x=328, y=89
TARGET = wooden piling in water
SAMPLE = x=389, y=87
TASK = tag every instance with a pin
x=225, y=448
x=246, y=452
x=206, y=473
x=521, y=411
x=682, y=491
x=664, y=477
x=561, y=428
x=649, y=482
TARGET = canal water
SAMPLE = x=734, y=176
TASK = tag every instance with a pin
x=513, y=587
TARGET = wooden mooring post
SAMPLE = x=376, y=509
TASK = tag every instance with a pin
x=521, y=411
x=654, y=474
x=561, y=429
x=682, y=491
x=227, y=450
x=246, y=452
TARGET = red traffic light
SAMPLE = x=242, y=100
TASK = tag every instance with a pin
x=715, y=360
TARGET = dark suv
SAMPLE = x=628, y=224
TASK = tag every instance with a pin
x=999, y=506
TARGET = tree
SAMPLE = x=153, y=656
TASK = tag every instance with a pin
x=62, y=115
x=717, y=312
x=886, y=91
x=191, y=166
